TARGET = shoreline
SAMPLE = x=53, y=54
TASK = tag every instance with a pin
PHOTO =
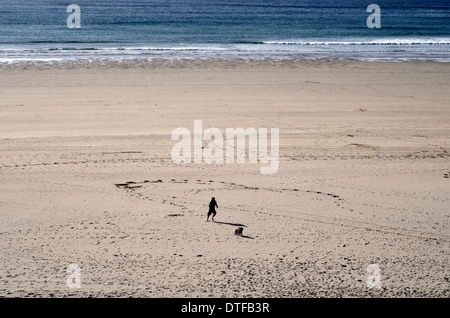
x=182, y=63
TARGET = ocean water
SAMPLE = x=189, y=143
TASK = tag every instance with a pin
x=224, y=29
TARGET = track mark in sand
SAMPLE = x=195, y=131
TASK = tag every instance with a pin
x=134, y=185
x=329, y=194
x=131, y=186
x=356, y=152
x=86, y=162
x=344, y=222
x=363, y=225
x=120, y=152
x=9, y=106
x=363, y=146
x=139, y=184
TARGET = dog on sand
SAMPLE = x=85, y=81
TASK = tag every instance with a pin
x=238, y=231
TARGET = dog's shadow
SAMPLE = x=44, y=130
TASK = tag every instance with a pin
x=236, y=224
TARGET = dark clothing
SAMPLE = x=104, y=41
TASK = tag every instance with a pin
x=212, y=206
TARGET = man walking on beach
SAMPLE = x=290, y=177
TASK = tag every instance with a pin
x=212, y=209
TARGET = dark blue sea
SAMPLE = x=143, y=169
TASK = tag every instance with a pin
x=224, y=29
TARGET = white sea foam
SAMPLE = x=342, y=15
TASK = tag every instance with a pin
x=383, y=49
x=380, y=41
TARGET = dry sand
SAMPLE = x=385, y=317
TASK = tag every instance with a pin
x=87, y=178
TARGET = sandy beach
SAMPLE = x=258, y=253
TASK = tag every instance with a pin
x=87, y=178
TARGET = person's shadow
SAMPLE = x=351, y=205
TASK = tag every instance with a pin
x=248, y=237
x=232, y=224
x=236, y=224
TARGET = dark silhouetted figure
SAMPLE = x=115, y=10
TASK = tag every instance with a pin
x=212, y=209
